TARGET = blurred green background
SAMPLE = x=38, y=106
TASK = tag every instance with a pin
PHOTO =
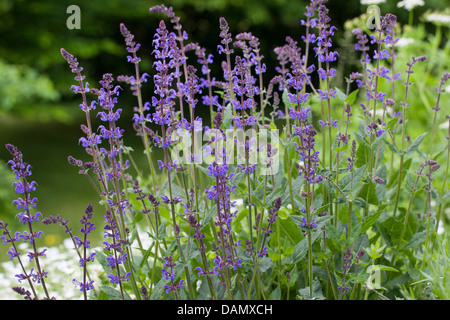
x=40, y=114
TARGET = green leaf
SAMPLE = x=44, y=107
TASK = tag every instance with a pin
x=392, y=123
x=112, y=293
x=377, y=141
x=162, y=231
x=391, y=228
x=367, y=223
x=416, y=240
x=413, y=272
x=290, y=230
x=146, y=255
x=227, y=116
x=341, y=95
x=285, y=99
x=138, y=217
x=301, y=248
x=353, y=235
x=352, y=178
x=409, y=185
x=264, y=264
x=380, y=188
x=415, y=144
x=391, y=146
x=101, y=258
x=384, y=233
x=159, y=290
x=361, y=139
x=351, y=97
x=387, y=268
x=368, y=193
x=102, y=295
x=293, y=276
x=393, y=179
x=362, y=154
x=276, y=294
x=335, y=237
x=304, y=294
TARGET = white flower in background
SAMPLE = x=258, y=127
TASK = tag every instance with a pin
x=447, y=88
x=410, y=4
x=380, y=111
x=439, y=18
x=441, y=229
x=444, y=125
x=403, y=42
x=369, y=2
x=62, y=264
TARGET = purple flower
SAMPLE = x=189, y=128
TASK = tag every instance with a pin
x=84, y=286
x=325, y=95
x=168, y=273
x=24, y=188
x=328, y=123
x=87, y=227
x=311, y=225
x=115, y=249
x=226, y=37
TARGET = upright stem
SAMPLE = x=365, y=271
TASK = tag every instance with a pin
x=402, y=150
x=36, y=258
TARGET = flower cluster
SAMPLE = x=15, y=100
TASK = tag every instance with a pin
x=273, y=213
x=88, y=226
x=220, y=193
x=107, y=98
x=117, y=255
x=25, y=202
x=168, y=273
x=207, y=223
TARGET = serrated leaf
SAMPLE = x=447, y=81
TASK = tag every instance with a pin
x=102, y=296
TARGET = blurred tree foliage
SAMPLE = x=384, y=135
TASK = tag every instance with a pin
x=35, y=80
